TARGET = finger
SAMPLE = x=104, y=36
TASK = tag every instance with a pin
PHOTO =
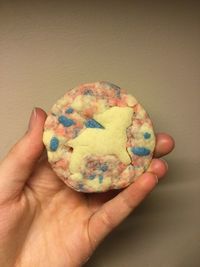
x=95, y=200
x=164, y=145
x=114, y=211
x=159, y=167
x=19, y=163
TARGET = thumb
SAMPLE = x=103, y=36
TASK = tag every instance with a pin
x=17, y=166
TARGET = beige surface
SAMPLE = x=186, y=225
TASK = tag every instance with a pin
x=153, y=50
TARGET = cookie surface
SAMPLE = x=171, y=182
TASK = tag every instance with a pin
x=98, y=138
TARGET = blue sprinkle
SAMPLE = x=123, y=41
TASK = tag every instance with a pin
x=140, y=151
x=54, y=143
x=112, y=86
x=88, y=92
x=146, y=135
x=93, y=124
x=92, y=176
x=100, y=179
x=69, y=110
x=104, y=167
x=80, y=186
x=66, y=121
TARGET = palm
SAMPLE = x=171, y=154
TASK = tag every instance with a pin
x=59, y=223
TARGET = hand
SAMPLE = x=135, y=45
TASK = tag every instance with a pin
x=45, y=223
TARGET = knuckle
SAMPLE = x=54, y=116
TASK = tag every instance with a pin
x=107, y=219
x=128, y=202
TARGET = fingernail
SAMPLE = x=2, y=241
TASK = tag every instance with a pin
x=148, y=176
x=165, y=162
x=32, y=119
x=156, y=178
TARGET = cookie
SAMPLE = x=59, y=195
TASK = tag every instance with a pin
x=98, y=138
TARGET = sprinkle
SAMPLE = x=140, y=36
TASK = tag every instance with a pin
x=88, y=92
x=104, y=167
x=140, y=151
x=69, y=110
x=66, y=121
x=91, y=123
x=76, y=132
x=54, y=143
x=100, y=179
x=80, y=186
x=117, y=89
x=112, y=86
x=146, y=135
x=91, y=176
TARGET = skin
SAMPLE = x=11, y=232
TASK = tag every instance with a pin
x=45, y=223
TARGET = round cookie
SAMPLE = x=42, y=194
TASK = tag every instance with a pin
x=98, y=138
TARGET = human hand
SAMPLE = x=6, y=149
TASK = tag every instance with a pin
x=45, y=223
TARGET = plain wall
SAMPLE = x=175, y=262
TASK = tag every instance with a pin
x=150, y=48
